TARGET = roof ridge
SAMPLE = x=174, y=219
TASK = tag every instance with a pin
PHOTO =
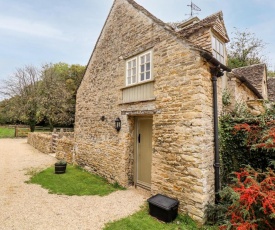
x=243, y=67
x=146, y=12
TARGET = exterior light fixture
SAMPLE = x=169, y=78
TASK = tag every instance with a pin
x=118, y=124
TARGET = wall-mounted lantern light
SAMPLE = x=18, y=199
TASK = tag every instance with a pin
x=118, y=124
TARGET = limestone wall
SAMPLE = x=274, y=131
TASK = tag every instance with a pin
x=65, y=149
x=239, y=92
x=182, y=158
x=41, y=141
x=62, y=144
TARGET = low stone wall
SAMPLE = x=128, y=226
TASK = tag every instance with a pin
x=41, y=141
x=65, y=149
x=62, y=144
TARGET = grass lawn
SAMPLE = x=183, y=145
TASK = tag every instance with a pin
x=142, y=220
x=6, y=132
x=76, y=181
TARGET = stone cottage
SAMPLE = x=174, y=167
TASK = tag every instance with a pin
x=144, y=111
x=248, y=85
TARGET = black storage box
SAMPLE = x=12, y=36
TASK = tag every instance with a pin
x=163, y=208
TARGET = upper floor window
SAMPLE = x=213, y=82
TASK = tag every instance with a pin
x=139, y=68
x=218, y=49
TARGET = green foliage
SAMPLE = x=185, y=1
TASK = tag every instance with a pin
x=6, y=132
x=36, y=95
x=271, y=73
x=58, y=92
x=245, y=49
x=142, y=220
x=246, y=141
x=217, y=214
x=226, y=98
x=254, y=203
x=248, y=203
x=75, y=181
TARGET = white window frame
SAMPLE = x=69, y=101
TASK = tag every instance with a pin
x=132, y=69
x=143, y=69
x=218, y=48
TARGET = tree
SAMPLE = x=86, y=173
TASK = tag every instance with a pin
x=23, y=88
x=46, y=94
x=245, y=49
x=58, y=89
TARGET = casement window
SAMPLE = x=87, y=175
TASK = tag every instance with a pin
x=139, y=69
x=218, y=49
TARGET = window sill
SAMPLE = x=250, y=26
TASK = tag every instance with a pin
x=137, y=101
x=134, y=85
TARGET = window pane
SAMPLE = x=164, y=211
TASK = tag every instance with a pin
x=129, y=73
x=142, y=68
x=148, y=57
x=142, y=77
x=213, y=42
x=147, y=75
x=134, y=79
x=221, y=49
x=134, y=71
x=147, y=66
x=142, y=60
x=134, y=63
x=128, y=80
x=129, y=65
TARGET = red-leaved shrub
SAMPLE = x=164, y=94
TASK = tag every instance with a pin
x=255, y=206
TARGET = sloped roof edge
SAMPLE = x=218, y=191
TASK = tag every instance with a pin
x=208, y=21
x=159, y=22
x=248, y=85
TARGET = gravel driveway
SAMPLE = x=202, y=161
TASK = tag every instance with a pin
x=28, y=206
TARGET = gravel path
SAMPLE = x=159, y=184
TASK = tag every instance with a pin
x=27, y=206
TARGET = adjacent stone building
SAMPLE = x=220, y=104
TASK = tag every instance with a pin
x=248, y=86
x=256, y=76
x=155, y=82
x=271, y=88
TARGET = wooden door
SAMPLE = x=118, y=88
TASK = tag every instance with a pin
x=144, y=151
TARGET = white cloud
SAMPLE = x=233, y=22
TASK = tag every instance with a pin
x=29, y=27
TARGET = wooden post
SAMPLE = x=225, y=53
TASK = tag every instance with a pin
x=15, y=131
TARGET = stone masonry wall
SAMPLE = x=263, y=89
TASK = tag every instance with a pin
x=65, y=149
x=182, y=159
x=239, y=92
x=64, y=144
x=41, y=141
x=202, y=38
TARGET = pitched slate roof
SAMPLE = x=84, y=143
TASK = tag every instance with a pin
x=254, y=74
x=215, y=21
x=271, y=88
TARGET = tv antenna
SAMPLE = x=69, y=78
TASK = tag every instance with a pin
x=193, y=8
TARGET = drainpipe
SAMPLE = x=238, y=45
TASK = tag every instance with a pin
x=216, y=72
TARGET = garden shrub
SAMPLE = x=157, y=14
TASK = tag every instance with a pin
x=253, y=202
x=246, y=141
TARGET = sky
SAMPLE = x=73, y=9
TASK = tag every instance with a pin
x=36, y=32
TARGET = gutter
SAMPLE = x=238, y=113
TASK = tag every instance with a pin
x=216, y=72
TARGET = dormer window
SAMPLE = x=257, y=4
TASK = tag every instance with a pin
x=139, y=69
x=218, y=49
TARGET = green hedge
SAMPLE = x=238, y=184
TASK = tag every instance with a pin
x=252, y=143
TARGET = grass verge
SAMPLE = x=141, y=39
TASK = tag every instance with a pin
x=76, y=181
x=142, y=220
x=6, y=132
